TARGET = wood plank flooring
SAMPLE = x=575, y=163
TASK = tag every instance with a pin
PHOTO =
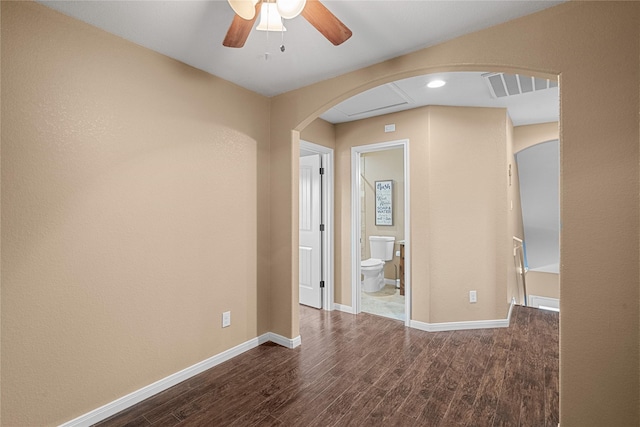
x=367, y=370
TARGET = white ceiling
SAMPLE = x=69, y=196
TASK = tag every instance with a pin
x=464, y=89
x=192, y=32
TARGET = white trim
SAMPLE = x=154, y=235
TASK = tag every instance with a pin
x=283, y=341
x=344, y=308
x=355, y=221
x=407, y=236
x=137, y=396
x=544, y=303
x=328, y=196
x=458, y=326
x=118, y=405
x=356, y=253
x=511, y=304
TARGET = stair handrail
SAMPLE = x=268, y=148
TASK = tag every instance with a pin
x=522, y=269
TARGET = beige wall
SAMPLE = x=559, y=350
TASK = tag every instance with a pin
x=600, y=173
x=467, y=192
x=410, y=125
x=459, y=235
x=529, y=135
x=116, y=144
x=320, y=132
x=543, y=284
x=135, y=198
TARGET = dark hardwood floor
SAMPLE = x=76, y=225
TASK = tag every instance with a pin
x=368, y=370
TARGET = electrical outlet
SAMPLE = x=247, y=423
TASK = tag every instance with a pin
x=473, y=297
x=226, y=319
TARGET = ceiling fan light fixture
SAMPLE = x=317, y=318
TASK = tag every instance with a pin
x=289, y=9
x=270, y=19
x=245, y=9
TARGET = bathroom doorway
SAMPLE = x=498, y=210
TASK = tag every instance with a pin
x=380, y=208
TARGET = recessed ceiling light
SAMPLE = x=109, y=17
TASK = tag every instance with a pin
x=436, y=83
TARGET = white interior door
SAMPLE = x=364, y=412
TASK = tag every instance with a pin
x=310, y=237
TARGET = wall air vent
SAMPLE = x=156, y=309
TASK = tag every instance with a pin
x=502, y=85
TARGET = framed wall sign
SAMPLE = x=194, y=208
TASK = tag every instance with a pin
x=384, y=202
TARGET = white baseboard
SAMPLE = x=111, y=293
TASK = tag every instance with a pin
x=544, y=303
x=137, y=396
x=118, y=405
x=344, y=308
x=285, y=342
x=458, y=326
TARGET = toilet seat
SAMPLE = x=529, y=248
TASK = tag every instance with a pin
x=371, y=263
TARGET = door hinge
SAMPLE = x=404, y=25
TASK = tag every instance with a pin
x=321, y=227
x=322, y=283
x=321, y=171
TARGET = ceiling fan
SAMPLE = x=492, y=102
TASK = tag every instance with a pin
x=312, y=10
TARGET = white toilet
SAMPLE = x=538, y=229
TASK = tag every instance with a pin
x=373, y=268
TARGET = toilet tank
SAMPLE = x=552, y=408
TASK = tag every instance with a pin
x=381, y=247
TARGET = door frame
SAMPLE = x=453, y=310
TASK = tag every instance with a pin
x=327, y=196
x=356, y=255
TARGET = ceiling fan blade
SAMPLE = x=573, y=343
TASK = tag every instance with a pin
x=239, y=30
x=326, y=22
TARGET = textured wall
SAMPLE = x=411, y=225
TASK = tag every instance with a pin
x=410, y=125
x=543, y=284
x=320, y=132
x=583, y=42
x=134, y=208
x=468, y=233
x=526, y=136
x=458, y=184
x=166, y=102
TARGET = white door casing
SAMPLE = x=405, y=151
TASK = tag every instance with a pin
x=310, y=250
x=356, y=221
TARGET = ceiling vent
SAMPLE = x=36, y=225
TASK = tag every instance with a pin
x=502, y=85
